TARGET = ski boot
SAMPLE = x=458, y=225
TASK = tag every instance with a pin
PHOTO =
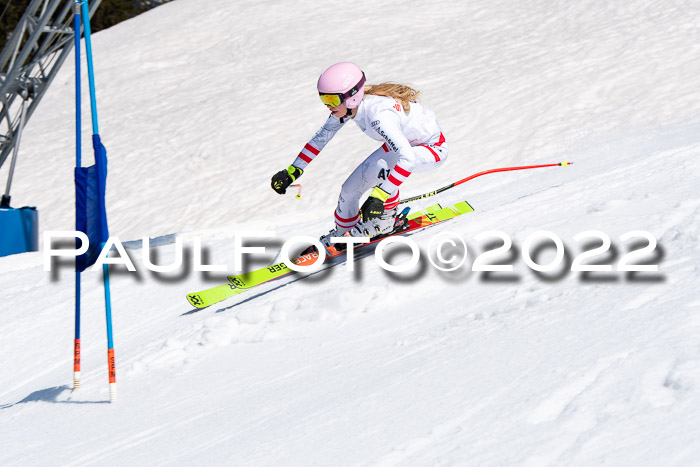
x=383, y=226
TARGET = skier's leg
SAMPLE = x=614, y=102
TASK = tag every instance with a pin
x=363, y=178
x=427, y=157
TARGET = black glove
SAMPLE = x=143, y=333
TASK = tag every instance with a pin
x=282, y=179
x=373, y=207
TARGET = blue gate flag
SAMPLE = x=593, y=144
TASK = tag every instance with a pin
x=90, y=213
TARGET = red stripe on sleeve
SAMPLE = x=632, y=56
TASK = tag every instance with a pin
x=437, y=158
x=442, y=140
x=311, y=149
x=304, y=157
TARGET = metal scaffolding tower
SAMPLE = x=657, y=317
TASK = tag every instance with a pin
x=29, y=62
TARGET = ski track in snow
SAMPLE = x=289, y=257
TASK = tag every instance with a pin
x=199, y=106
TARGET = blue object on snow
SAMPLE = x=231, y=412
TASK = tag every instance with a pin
x=19, y=230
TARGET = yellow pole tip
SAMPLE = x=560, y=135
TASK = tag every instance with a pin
x=298, y=196
x=564, y=164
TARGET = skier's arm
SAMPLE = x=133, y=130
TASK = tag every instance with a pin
x=318, y=142
x=282, y=179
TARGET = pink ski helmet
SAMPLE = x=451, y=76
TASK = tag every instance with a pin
x=342, y=82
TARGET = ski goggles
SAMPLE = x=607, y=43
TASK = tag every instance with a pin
x=335, y=99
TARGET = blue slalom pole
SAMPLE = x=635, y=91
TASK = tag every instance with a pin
x=105, y=268
x=91, y=73
x=76, y=341
x=78, y=134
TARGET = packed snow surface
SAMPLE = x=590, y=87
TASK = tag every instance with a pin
x=201, y=102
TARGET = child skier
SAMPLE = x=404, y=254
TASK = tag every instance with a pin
x=412, y=142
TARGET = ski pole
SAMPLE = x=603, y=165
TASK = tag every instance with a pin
x=298, y=195
x=471, y=177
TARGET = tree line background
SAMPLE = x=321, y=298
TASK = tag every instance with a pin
x=109, y=13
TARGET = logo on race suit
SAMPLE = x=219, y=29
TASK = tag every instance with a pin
x=388, y=140
x=384, y=173
x=374, y=123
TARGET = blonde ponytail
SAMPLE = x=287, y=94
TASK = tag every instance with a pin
x=401, y=92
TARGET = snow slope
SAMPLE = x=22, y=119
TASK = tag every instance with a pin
x=200, y=105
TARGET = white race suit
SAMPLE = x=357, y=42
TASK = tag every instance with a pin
x=412, y=142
